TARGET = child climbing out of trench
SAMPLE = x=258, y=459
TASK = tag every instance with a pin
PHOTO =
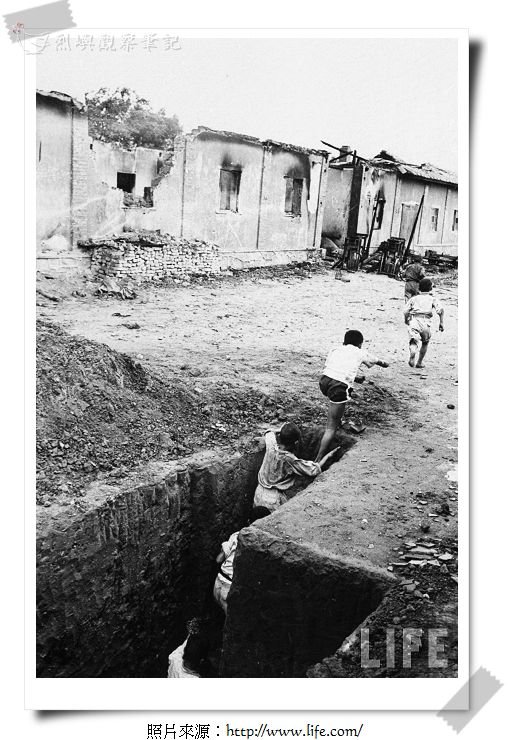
x=418, y=315
x=281, y=467
x=226, y=558
x=341, y=370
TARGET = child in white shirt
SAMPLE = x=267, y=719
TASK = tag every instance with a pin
x=340, y=371
x=418, y=314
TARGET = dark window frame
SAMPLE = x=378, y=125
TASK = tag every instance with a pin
x=229, y=189
x=294, y=187
x=125, y=177
x=379, y=215
x=434, y=223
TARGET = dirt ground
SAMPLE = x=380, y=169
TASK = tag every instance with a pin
x=246, y=352
x=264, y=340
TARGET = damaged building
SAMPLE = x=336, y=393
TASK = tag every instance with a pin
x=260, y=202
x=378, y=198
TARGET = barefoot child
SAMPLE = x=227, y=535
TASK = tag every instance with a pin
x=281, y=467
x=340, y=371
x=418, y=314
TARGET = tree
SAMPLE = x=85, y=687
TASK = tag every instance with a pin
x=121, y=116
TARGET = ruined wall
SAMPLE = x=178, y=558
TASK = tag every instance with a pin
x=61, y=181
x=337, y=203
x=206, y=155
x=280, y=230
x=259, y=232
x=297, y=591
x=436, y=195
x=375, y=182
x=450, y=234
x=164, y=256
x=54, y=167
x=117, y=583
x=108, y=159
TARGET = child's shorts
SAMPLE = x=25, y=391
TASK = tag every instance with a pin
x=419, y=330
x=270, y=498
x=335, y=390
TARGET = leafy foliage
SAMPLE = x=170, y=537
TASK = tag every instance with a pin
x=121, y=116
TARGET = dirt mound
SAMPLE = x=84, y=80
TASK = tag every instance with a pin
x=100, y=414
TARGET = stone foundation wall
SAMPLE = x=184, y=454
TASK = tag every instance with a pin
x=147, y=259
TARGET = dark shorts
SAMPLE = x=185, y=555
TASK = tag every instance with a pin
x=335, y=390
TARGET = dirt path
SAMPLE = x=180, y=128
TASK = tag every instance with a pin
x=272, y=335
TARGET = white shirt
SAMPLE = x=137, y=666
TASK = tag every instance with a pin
x=423, y=304
x=343, y=363
x=229, y=547
x=176, y=667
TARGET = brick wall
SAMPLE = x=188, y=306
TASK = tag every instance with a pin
x=79, y=174
x=153, y=257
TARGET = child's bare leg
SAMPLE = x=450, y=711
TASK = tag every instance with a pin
x=334, y=416
x=413, y=352
x=422, y=354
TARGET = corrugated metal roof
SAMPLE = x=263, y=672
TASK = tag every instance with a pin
x=425, y=171
x=387, y=161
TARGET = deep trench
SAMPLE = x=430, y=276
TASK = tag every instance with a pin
x=116, y=589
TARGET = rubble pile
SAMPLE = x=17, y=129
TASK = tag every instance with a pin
x=152, y=256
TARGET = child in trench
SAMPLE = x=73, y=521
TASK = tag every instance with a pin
x=189, y=660
x=226, y=558
x=418, y=315
x=281, y=467
x=340, y=371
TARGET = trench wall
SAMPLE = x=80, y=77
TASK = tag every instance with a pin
x=116, y=584
x=294, y=599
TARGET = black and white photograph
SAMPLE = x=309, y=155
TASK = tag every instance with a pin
x=251, y=298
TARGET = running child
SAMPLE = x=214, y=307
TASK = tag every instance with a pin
x=340, y=371
x=418, y=315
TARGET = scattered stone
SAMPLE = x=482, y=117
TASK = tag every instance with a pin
x=131, y=325
x=443, y=510
x=451, y=406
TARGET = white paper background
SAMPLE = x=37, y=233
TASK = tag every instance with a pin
x=489, y=400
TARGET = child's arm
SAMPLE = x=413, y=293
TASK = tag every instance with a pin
x=304, y=467
x=327, y=457
x=369, y=361
x=407, y=310
x=440, y=311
